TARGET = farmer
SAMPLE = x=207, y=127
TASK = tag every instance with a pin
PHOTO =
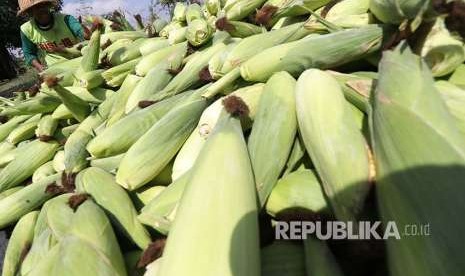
x=47, y=34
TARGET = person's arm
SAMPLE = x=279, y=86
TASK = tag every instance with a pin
x=75, y=27
x=30, y=53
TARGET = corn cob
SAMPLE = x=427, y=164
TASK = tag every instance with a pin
x=216, y=62
x=170, y=27
x=148, y=62
x=276, y=117
x=115, y=36
x=240, y=9
x=299, y=190
x=115, y=76
x=43, y=171
x=158, y=25
x=223, y=186
x=121, y=99
x=110, y=196
x=319, y=51
x=126, y=53
x=297, y=156
x=121, y=136
x=397, y=12
x=59, y=161
x=109, y=48
x=9, y=126
x=152, y=45
x=78, y=107
x=25, y=131
x=337, y=126
x=283, y=258
x=46, y=127
x=187, y=155
x=179, y=12
x=90, y=59
x=160, y=212
x=7, y=153
x=458, y=77
x=131, y=260
x=357, y=89
x=193, y=12
x=273, y=10
x=62, y=67
x=319, y=259
x=159, y=145
x=199, y=32
x=90, y=80
x=238, y=28
x=213, y=6
x=9, y=192
x=109, y=164
x=67, y=131
x=20, y=242
x=36, y=105
x=154, y=268
x=27, y=160
x=25, y=201
x=144, y=196
x=454, y=97
x=410, y=177
x=62, y=113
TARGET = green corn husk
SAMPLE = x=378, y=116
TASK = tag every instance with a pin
x=25, y=200
x=144, y=196
x=454, y=97
x=115, y=36
x=319, y=259
x=177, y=36
x=273, y=10
x=152, y=45
x=148, y=62
x=90, y=80
x=131, y=259
x=240, y=9
x=9, y=192
x=115, y=46
x=43, y=171
x=153, y=151
x=158, y=25
x=170, y=27
x=8, y=127
x=62, y=113
x=160, y=212
x=118, y=138
x=78, y=107
x=67, y=131
x=238, y=28
x=62, y=67
x=109, y=164
x=36, y=105
x=121, y=99
x=326, y=123
x=320, y=51
x=179, y=12
x=442, y=52
x=193, y=12
x=357, y=89
x=115, y=76
x=90, y=241
x=187, y=155
x=213, y=6
x=111, y=197
x=396, y=12
x=59, y=161
x=75, y=147
x=211, y=195
x=199, y=32
x=283, y=258
x=299, y=190
x=20, y=242
x=190, y=75
x=276, y=117
x=7, y=153
x=417, y=185
x=25, y=131
x=216, y=62
x=46, y=127
x=458, y=77
x=94, y=96
x=126, y=53
x=296, y=158
x=27, y=160
x=154, y=268
x=90, y=59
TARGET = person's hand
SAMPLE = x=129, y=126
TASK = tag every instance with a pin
x=56, y=49
x=38, y=66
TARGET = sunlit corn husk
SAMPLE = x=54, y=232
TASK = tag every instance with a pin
x=121, y=99
x=27, y=160
x=322, y=52
x=326, y=124
x=199, y=32
x=36, y=105
x=59, y=161
x=109, y=164
x=216, y=62
x=442, y=52
x=177, y=36
x=25, y=131
x=118, y=138
x=458, y=77
x=115, y=201
x=144, y=196
x=299, y=191
x=153, y=151
x=25, y=200
x=149, y=61
x=43, y=171
x=115, y=76
x=19, y=243
x=193, y=12
x=417, y=185
x=152, y=45
x=396, y=12
x=115, y=36
x=46, y=127
x=273, y=10
x=179, y=12
x=158, y=25
x=255, y=44
x=10, y=191
x=454, y=97
x=276, y=117
x=240, y=9
x=173, y=25
x=283, y=258
x=187, y=155
x=90, y=80
x=211, y=194
x=90, y=59
x=8, y=127
x=238, y=28
x=319, y=260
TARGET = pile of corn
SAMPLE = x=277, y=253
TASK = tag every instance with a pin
x=173, y=149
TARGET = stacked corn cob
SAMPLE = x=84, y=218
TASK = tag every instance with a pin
x=175, y=149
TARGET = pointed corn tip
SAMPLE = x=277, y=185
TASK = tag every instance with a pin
x=236, y=107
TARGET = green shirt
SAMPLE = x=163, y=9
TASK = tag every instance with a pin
x=65, y=30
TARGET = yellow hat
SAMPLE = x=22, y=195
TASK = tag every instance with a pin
x=24, y=5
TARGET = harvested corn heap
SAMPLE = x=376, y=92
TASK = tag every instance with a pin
x=195, y=146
